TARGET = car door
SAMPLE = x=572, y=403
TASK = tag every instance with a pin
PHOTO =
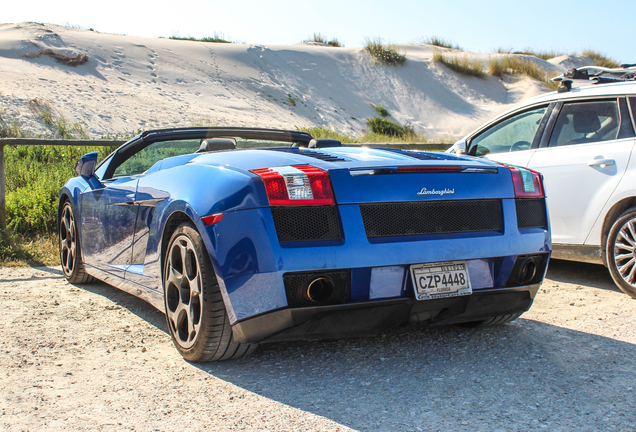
x=514, y=139
x=107, y=222
x=144, y=164
x=585, y=157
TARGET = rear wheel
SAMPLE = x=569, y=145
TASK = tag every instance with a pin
x=195, y=312
x=70, y=252
x=620, y=252
x=493, y=321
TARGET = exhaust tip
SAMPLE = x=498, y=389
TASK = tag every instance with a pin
x=527, y=271
x=319, y=290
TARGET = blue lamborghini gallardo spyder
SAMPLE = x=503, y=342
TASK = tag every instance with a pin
x=246, y=236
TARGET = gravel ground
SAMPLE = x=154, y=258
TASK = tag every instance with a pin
x=91, y=357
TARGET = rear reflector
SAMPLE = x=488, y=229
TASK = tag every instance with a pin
x=296, y=185
x=527, y=183
x=212, y=219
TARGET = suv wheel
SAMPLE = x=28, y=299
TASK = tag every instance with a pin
x=621, y=252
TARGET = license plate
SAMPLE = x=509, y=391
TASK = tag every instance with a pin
x=440, y=279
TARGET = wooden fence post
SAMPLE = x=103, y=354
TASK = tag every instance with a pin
x=3, y=202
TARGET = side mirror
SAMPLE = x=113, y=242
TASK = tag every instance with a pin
x=86, y=165
x=459, y=147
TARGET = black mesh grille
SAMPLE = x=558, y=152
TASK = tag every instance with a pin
x=312, y=153
x=297, y=283
x=310, y=223
x=531, y=213
x=439, y=217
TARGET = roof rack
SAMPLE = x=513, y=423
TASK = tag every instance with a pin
x=595, y=75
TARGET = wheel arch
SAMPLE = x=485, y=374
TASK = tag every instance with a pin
x=172, y=223
x=611, y=216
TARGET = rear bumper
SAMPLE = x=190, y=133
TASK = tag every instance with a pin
x=370, y=318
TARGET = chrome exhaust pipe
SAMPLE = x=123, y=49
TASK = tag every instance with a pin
x=319, y=290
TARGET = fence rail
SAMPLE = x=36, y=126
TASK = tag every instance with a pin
x=112, y=143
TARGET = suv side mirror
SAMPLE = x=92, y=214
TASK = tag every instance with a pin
x=86, y=165
x=460, y=147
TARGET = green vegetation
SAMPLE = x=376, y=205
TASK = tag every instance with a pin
x=382, y=126
x=600, y=59
x=459, y=64
x=371, y=137
x=383, y=112
x=217, y=37
x=291, y=100
x=388, y=54
x=440, y=42
x=20, y=250
x=319, y=38
x=34, y=176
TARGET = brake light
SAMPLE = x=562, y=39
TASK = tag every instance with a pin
x=527, y=183
x=296, y=185
x=429, y=168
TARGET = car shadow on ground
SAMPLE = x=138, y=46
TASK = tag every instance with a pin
x=135, y=305
x=591, y=275
x=523, y=376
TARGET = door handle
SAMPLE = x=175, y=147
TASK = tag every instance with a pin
x=601, y=162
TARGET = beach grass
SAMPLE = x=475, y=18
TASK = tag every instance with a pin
x=217, y=37
x=514, y=64
x=440, y=42
x=459, y=64
x=600, y=59
x=542, y=54
x=384, y=53
x=319, y=38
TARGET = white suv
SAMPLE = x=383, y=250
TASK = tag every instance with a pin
x=581, y=140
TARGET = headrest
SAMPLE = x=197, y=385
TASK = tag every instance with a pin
x=322, y=143
x=214, y=144
x=585, y=122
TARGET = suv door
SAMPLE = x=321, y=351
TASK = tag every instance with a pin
x=585, y=157
x=513, y=139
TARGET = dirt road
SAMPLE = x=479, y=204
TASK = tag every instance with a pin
x=94, y=358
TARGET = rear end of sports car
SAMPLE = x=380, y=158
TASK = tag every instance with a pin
x=349, y=242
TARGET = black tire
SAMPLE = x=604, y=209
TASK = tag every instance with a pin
x=195, y=311
x=620, y=252
x=493, y=321
x=70, y=250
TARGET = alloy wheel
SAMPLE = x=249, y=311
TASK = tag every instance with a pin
x=68, y=245
x=624, y=248
x=183, y=291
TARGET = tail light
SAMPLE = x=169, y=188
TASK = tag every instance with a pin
x=527, y=183
x=296, y=185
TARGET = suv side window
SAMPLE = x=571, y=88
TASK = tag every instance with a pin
x=586, y=122
x=514, y=133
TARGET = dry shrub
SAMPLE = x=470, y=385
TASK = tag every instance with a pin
x=76, y=60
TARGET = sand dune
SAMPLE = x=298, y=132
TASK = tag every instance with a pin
x=132, y=82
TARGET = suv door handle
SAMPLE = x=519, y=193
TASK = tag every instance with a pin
x=602, y=162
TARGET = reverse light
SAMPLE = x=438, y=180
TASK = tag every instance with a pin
x=296, y=185
x=527, y=183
